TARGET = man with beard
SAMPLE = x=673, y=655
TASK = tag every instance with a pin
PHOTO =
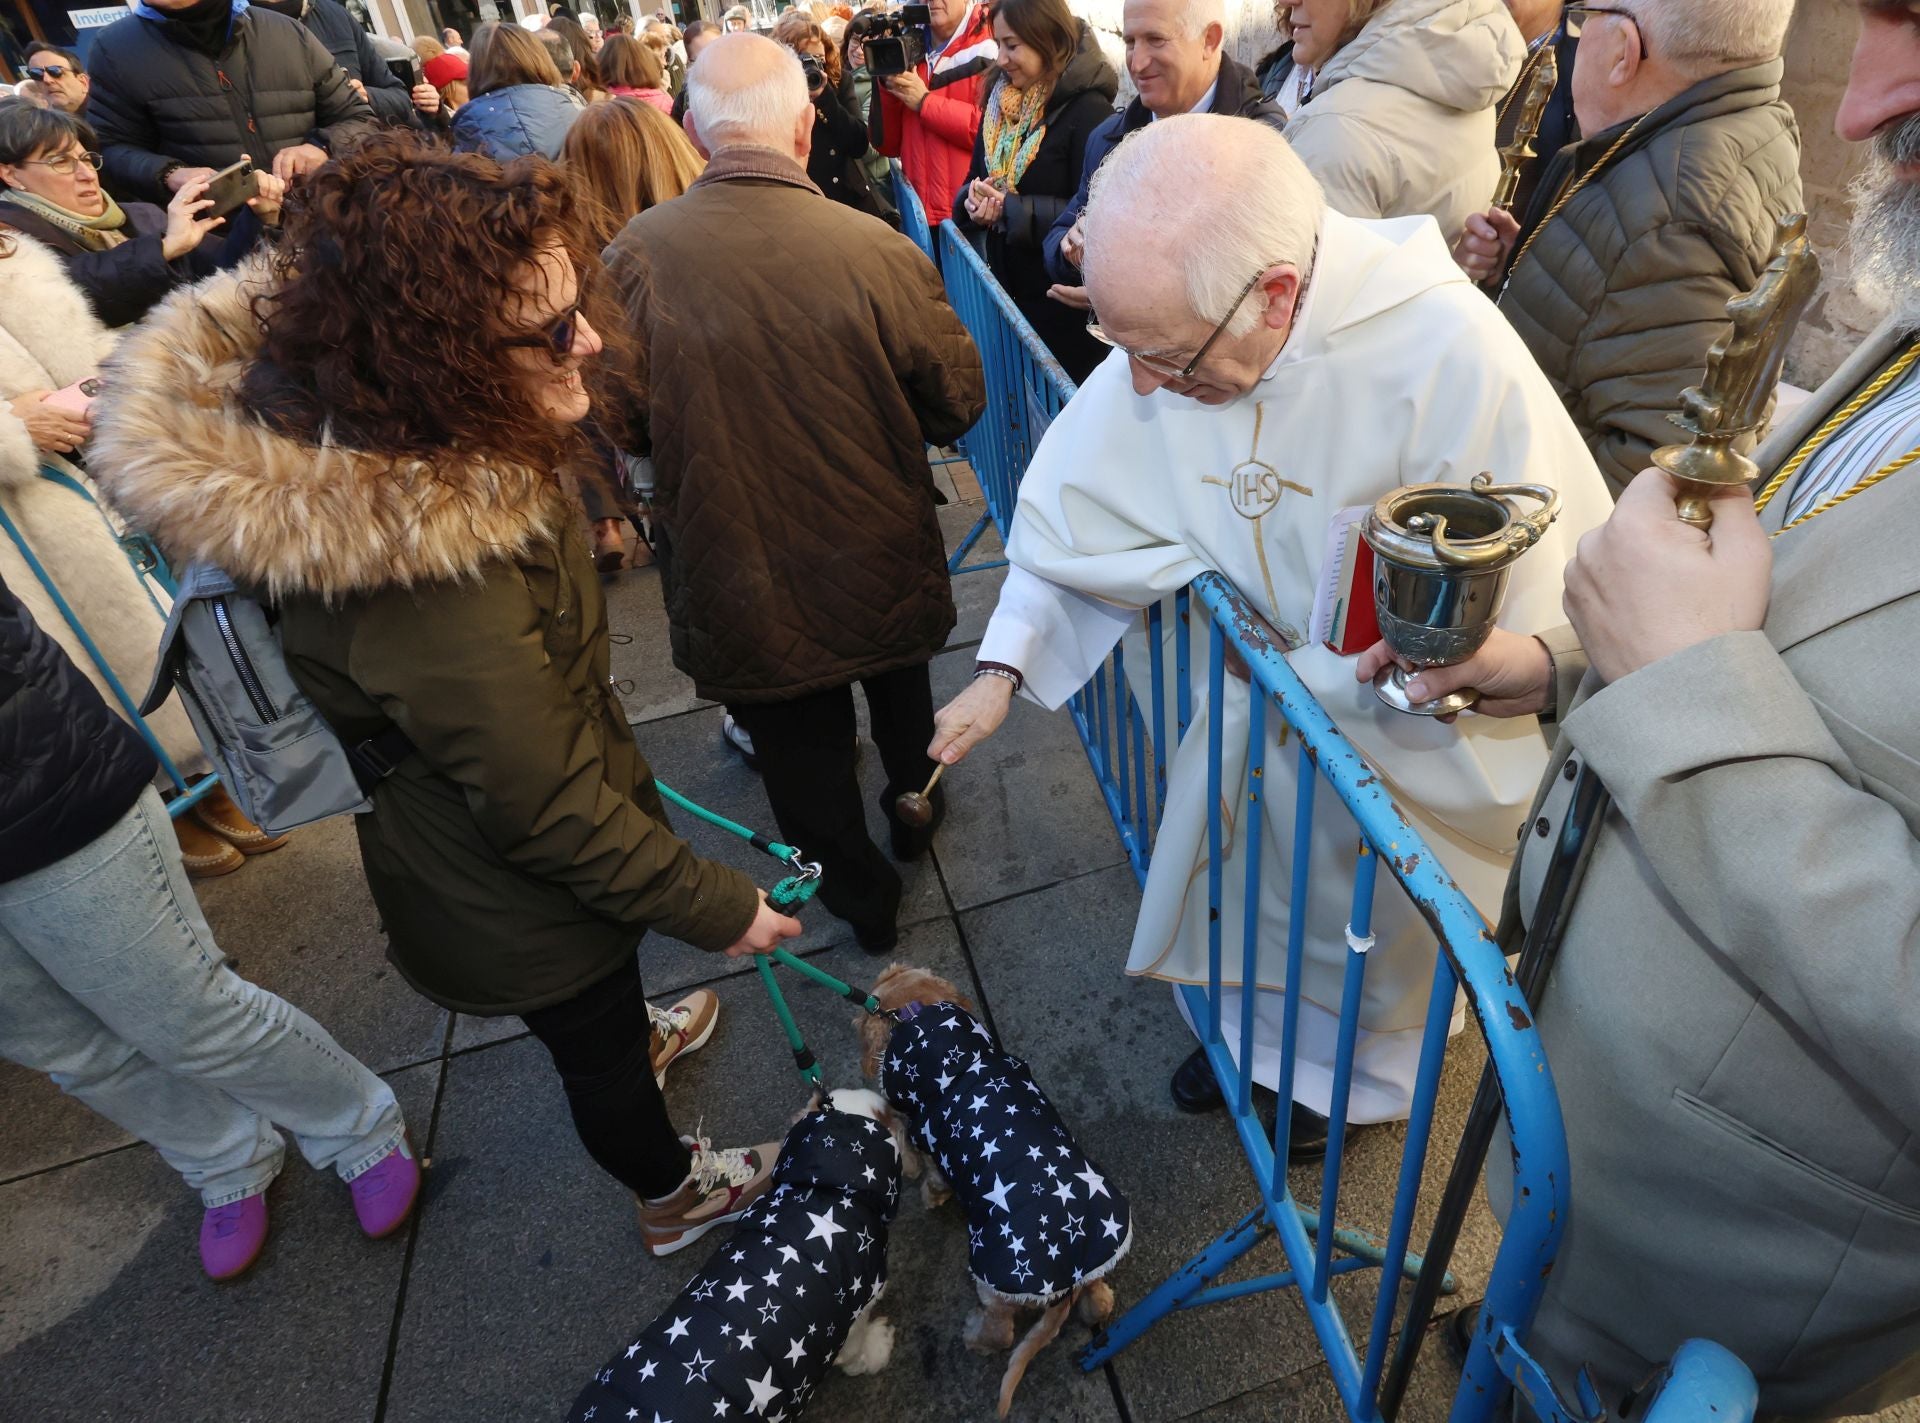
x=1731, y=1022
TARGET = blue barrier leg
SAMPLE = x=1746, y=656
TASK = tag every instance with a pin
x=1359, y=931
x=1170, y=1293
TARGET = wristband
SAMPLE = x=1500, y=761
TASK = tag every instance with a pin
x=996, y=669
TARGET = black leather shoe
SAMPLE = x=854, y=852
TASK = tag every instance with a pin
x=1194, y=1086
x=877, y=941
x=1307, y=1137
x=1458, y=1333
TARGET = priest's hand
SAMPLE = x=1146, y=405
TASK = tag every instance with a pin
x=1075, y=297
x=1513, y=674
x=1483, y=247
x=969, y=719
x=1644, y=585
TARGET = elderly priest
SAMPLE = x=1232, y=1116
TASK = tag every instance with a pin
x=1275, y=363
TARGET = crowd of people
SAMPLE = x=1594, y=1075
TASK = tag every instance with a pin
x=422, y=344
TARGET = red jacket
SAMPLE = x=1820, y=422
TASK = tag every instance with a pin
x=935, y=146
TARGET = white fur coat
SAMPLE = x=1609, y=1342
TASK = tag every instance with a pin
x=49, y=338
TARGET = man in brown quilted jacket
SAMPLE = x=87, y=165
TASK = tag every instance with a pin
x=794, y=355
x=1640, y=233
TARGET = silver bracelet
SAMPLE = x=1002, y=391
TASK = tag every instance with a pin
x=1002, y=673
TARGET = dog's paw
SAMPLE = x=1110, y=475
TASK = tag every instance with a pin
x=934, y=1191
x=869, y=1350
x=1095, y=1306
x=989, y=1331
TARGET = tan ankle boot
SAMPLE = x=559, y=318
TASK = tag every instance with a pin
x=218, y=813
x=206, y=855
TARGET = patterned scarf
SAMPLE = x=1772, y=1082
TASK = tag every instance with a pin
x=96, y=234
x=1012, y=132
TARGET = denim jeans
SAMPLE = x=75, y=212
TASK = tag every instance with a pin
x=112, y=985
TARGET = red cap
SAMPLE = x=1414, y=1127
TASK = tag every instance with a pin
x=443, y=69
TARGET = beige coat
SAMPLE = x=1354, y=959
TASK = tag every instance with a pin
x=1401, y=119
x=1732, y=1022
x=49, y=338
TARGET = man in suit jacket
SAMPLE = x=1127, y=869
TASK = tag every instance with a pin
x=1176, y=61
x=1732, y=1019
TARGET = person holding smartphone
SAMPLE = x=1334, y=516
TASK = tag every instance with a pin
x=124, y=257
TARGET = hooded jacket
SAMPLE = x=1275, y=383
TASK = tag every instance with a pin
x=935, y=145
x=1621, y=296
x=1081, y=101
x=158, y=101
x=1401, y=118
x=352, y=49
x=800, y=549
x=518, y=856
x=516, y=121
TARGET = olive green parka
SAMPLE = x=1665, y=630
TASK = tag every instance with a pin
x=521, y=853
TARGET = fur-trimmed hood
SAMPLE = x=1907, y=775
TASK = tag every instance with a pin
x=179, y=455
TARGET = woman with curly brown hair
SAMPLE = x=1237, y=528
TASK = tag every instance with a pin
x=366, y=431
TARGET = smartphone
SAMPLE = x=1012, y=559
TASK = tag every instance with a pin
x=230, y=188
x=75, y=398
x=406, y=70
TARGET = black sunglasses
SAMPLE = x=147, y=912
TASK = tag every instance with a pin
x=557, y=336
x=49, y=71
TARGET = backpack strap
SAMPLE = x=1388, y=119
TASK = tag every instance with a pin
x=378, y=757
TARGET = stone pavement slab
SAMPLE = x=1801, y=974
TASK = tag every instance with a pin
x=1022, y=810
x=104, y=1314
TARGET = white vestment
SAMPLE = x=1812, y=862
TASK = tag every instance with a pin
x=1397, y=371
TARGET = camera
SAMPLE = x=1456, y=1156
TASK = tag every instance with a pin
x=895, y=40
x=816, y=73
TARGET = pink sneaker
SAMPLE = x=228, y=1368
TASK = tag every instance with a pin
x=232, y=1237
x=383, y=1194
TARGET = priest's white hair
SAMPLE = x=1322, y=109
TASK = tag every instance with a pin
x=1711, y=36
x=1223, y=197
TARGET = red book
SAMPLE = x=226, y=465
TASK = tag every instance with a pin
x=1343, y=612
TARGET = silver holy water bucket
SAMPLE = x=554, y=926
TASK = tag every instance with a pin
x=1441, y=556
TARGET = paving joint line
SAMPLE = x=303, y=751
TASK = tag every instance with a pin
x=413, y=1231
x=99, y=1155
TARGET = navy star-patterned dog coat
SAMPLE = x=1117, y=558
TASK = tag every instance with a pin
x=753, y=1333
x=1040, y=1216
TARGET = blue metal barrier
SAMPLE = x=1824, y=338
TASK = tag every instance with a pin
x=1130, y=748
x=147, y=565
x=913, y=214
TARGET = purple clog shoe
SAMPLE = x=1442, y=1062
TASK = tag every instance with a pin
x=383, y=1194
x=232, y=1237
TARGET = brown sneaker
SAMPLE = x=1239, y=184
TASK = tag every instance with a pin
x=683, y=1028
x=721, y=1187
x=218, y=812
x=205, y=854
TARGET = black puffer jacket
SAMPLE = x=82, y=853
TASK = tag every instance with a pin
x=69, y=768
x=353, y=51
x=157, y=101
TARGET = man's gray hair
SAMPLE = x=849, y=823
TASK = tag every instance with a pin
x=1196, y=15
x=761, y=111
x=1710, y=36
x=1224, y=197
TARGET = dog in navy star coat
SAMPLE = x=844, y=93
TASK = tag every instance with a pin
x=794, y=1289
x=1044, y=1226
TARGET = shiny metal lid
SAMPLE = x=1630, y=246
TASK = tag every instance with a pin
x=1458, y=528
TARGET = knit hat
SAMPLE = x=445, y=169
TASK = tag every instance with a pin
x=443, y=69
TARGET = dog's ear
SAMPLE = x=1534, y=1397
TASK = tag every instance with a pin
x=874, y=1031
